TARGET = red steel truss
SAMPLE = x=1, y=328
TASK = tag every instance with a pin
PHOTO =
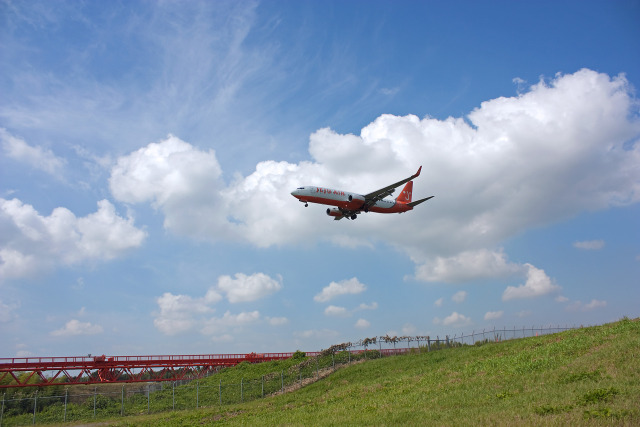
x=117, y=369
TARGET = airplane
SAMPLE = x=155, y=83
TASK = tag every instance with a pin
x=349, y=204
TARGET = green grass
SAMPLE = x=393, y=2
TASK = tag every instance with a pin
x=585, y=376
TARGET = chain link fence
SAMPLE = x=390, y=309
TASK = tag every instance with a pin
x=58, y=403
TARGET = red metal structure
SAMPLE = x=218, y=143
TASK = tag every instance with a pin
x=51, y=371
x=114, y=369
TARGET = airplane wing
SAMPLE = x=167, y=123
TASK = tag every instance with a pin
x=370, y=199
x=417, y=202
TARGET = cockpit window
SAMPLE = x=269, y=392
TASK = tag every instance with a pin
x=300, y=188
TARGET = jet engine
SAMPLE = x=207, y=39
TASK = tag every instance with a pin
x=334, y=212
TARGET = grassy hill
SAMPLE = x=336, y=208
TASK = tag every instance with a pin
x=584, y=376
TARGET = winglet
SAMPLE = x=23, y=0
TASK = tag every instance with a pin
x=418, y=173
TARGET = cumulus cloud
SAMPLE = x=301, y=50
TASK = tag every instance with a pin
x=335, y=289
x=590, y=245
x=36, y=157
x=277, y=321
x=537, y=284
x=178, y=179
x=455, y=319
x=75, y=327
x=362, y=324
x=218, y=325
x=180, y=313
x=438, y=302
x=335, y=311
x=32, y=243
x=245, y=288
x=467, y=265
x=579, y=306
x=459, y=296
x=571, y=139
x=363, y=306
x=493, y=315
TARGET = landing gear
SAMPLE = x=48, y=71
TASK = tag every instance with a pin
x=354, y=216
x=306, y=205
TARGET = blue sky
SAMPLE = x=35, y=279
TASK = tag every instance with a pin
x=148, y=149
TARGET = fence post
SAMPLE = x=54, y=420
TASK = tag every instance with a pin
x=66, y=397
x=263, y=386
x=318, y=373
x=300, y=374
x=35, y=404
x=333, y=362
x=122, y=402
x=241, y=390
x=95, y=393
x=428, y=344
x=173, y=394
x=2, y=410
x=148, y=397
x=197, y=394
x=220, y=391
x=282, y=381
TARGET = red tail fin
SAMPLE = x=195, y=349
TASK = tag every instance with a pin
x=405, y=194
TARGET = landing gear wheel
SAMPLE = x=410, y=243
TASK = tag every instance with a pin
x=354, y=216
x=306, y=205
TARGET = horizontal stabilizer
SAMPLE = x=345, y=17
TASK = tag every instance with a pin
x=417, y=202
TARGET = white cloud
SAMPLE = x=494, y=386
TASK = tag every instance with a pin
x=7, y=311
x=455, y=319
x=467, y=265
x=32, y=243
x=459, y=296
x=351, y=286
x=220, y=325
x=179, y=179
x=579, y=306
x=590, y=245
x=438, y=302
x=75, y=327
x=362, y=324
x=180, y=313
x=248, y=288
x=36, y=157
x=564, y=140
x=537, y=284
x=277, y=321
x=177, y=312
x=363, y=306
x=493, y=315
x=336, y=311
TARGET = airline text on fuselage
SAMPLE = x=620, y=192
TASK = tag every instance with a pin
x=330, y=191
